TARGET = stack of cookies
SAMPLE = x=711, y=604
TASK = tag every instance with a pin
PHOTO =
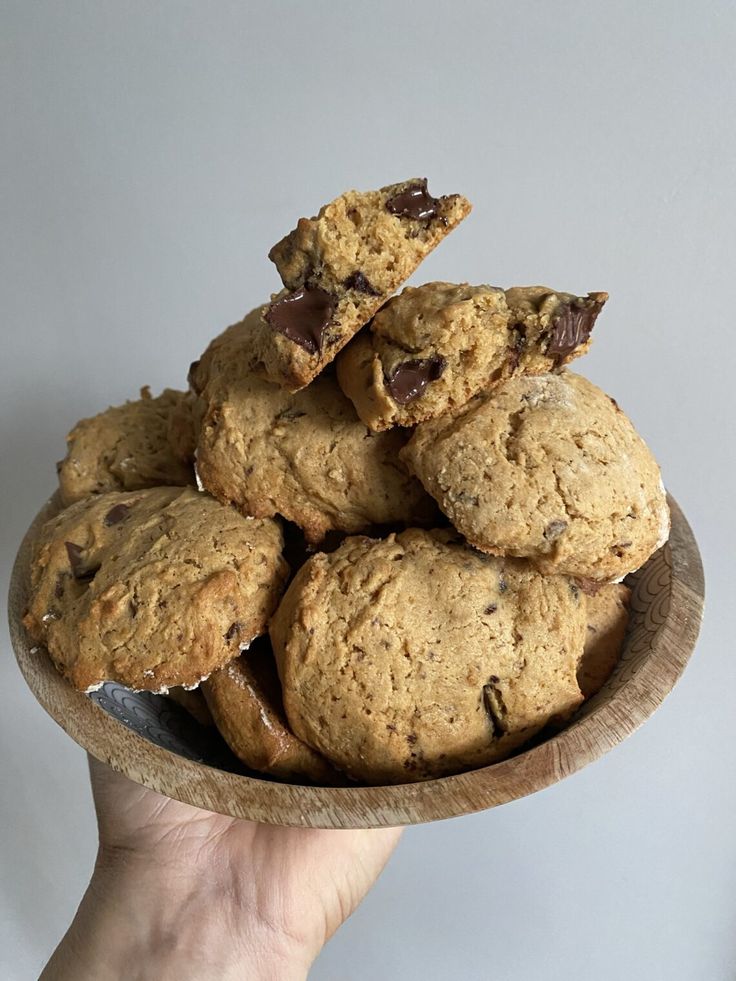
x=381, y=538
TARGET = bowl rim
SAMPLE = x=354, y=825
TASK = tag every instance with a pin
x=269, y=802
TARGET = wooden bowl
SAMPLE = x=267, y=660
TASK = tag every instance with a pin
x=154, y=742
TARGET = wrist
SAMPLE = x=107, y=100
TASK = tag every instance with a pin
x=140, y=918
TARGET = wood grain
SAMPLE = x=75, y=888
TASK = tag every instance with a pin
x=655, y=655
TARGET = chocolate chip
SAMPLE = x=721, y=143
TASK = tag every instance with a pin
x=59, y=587
x=117, y=514
x=554, y=529
x=302, y=316
x=491, y=608
x=502, y=584
x=358, y=282
x=414, y=202
x=409, y=379
x=75, y=559
x=232, y=631
x=572, y=327
x=517, y=346
x=411, y=738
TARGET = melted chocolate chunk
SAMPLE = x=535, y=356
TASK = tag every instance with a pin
x=358, y=282
x=411, y=378
x=76, y=562
x=233, y=631
x=554, y=529
x=517, y=346
x=572, y=327
x=414, y=202
x=302, y=316
x=117, y=514
x=491, y=608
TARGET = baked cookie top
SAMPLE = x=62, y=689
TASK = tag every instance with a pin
x=245, y=700
x=151, y=588
x=305, y=456
x=546, y=467
x=339, y=267
x=145, y=443
x=414, y=656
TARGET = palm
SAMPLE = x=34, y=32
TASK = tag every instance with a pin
x=302, y=876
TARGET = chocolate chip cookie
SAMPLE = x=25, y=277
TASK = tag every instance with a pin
x=433, y=347
x=145, y=443
x=245, y=700
x=414, y=656
x=608, y=618
x=547, y=467
x=340, y=267
x=151, y=588
x=305, y=456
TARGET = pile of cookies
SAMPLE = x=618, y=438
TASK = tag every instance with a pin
x=383, y=536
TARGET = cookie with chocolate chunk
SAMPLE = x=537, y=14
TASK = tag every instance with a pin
x=433, y=347
x=549, y=468
x=414, y=657
x=151, y=588
x=148, y=442
x=550, y=329
x=245, y=700
x=341, y=266
x=305, y=456
x=608, y=618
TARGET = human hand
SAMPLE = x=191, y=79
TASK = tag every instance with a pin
x=182, y=893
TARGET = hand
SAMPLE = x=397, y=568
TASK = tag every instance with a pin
x=183, y=893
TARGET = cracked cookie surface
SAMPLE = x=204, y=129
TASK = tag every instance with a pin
x=148, y=442
x=546, y=467
x=341, y=266
x=305, y=456
x=413, y=656
x=151, y=588
x=245, y=700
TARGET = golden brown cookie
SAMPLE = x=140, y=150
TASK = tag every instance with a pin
x=245, y=700
x=608, y=618
x=193, y=701
x=146, y=443
x=414, y=656
x=151, y=588
x=433, y=347
x=340, y=267
x=305, y=456
x=549, y=468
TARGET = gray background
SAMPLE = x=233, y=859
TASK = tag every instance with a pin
x=152, y=154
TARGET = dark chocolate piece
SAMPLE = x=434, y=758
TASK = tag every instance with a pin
x=414, y=202
x=302, y=316
x=358, y=282
x=232, y=631
x=409, y=379
x=517, y=346
x=117, y=514
x=572, y=327
x=554, y=529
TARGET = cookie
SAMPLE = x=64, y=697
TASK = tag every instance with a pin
x=305, y=456
x=413, y=656
x=433, y=347
x=549, y=468
x=146, y=443
x=193, y=701
x=608, y=618
x=550, y=329
x=151, y=588
x=340, y=267
x=245, y=700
